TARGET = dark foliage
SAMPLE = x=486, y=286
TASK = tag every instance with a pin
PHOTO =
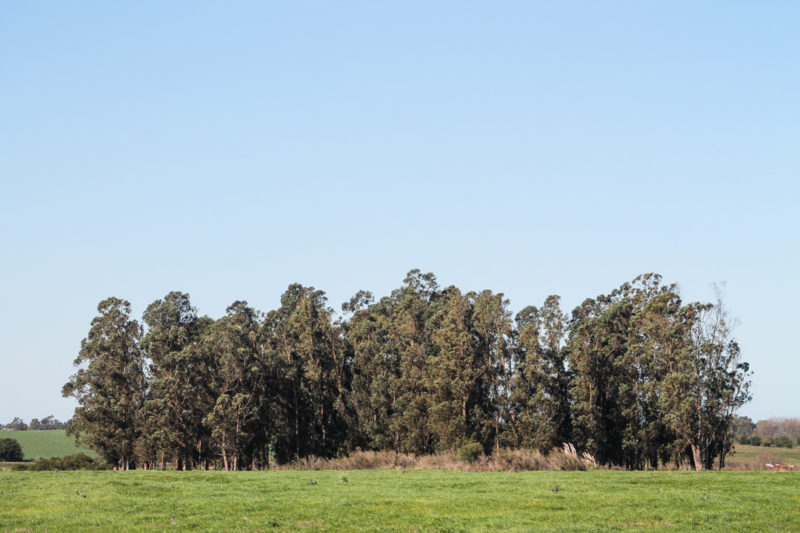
x=10, y=450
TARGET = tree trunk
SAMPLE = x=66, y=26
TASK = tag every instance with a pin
x=224, y=454
x=697, y=457
x=296, y=421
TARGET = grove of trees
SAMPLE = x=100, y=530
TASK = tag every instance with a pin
x=47, y=423
x=781, y=432
x=637, y=378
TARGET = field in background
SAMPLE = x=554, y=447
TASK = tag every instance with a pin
x=51, y=443
x=393, y=500
x=754, y=457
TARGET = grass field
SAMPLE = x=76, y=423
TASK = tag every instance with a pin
x=51, y=443
x=389, y=500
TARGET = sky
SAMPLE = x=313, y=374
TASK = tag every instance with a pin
x=229, y=149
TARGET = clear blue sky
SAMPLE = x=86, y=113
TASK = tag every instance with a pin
x=229, y=149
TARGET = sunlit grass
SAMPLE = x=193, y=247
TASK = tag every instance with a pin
x=390, y=500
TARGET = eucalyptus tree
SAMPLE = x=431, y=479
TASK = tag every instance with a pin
x=606, y=421
x=493, y=337
x=709, y=384
x=470, y=335
x=237, y=384
x=600, y=388
x=180, y=373
x=109, y=384
x=307, y=356
x=376, y=371
x=451, y=371
x=389, y=342
x=655, y=347
x=410, y=339
x=539, y=413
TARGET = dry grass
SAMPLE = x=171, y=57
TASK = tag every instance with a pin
x=500, y=460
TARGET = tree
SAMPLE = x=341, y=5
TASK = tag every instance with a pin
x=375, y=370
x=109, y=385
x=307, y=356
x=452, y=371
x=238, y=385
x=465, y=374
x=17, y=424
x=600, y=388
x=10, y=450
x=409, y=345
x=742, y=427
x=616, y=348
x=179, y=396
x=539, y=416
x=719, y=382
x=389, y=344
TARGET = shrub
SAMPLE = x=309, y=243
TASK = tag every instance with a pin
x=744, y=440
x=782, y=442
x=471, y=452
x=521, y=460
x=10, y=450
x=755, y=440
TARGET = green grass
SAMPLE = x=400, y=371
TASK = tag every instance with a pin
x=389, y=500
x=52, y=443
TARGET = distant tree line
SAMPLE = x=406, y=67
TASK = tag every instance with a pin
x=46, y=423
x=637, y=378
x=780, y=432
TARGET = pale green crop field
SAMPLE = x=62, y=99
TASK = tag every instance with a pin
x=389, y=500
x=51, y=443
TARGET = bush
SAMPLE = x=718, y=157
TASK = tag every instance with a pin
x=744, y=440
x=10, y=450
x=755, y=440
x=782, y=442
x=469, y=453
x=520, y=460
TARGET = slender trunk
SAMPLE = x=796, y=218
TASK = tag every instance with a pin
x=697, y=457
x=224, y=454
x=322, y=423
x=296, y=422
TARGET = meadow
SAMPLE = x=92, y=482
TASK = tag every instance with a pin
x=399, y=500
x=50, y=443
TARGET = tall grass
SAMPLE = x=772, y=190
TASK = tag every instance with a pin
x=500, y=460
